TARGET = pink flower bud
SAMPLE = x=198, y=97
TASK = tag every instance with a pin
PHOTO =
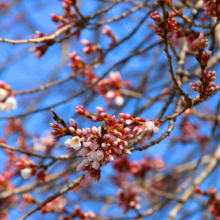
x=72, y=122
x=110, y=158
x=202, y=42
x=95, y=130
x=159, y=32
x=139, y=119
x=83, y=152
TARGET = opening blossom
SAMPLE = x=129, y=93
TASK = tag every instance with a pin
x=26, y=173
x=7, y=99
x=74, y=143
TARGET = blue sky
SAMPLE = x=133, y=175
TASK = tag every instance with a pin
x=27, y=72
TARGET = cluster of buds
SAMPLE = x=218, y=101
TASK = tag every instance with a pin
x=159, y=32
x=57, y=131
x=76, y=63
x=89, y=47
x=108, y=87
x=78, y=213
x=140, y=170
x=67, y=17
x=128, y=200
x=57, y=205
x=111, y=88
x=136, y=168
x=203, y=43
x=190, y=129
x=40, y=50
x=7, y=99
x=147, y=126
x=107, y=31
x=14, y=125
x=211, y=9
x=193, y=40
x=205, y=81
x=208, y=76
x=122, y=164
x=156, y=17
x=105, y=143
x=44, y=144
x=28, y=169
x=205, y=57
x=209, y=88
x=205, y=86
x=175, y=38
x=213, y=202
x=171, y=24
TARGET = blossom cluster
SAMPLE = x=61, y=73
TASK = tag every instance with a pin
x=111, y=88
x=7, y=99
x=28, y=169
x=210, y=86
x=138, y=172
x=14, y=125
x=108, y=87
x=138, y=169
x=43, y=144
x=68, y=16
x=89, y=47
x=128, y=199
x=106, y=142
x=40, y=50
x=205, y=86
x=189, y=129
x=212, y=8
x=170, y=25
x=57, y=205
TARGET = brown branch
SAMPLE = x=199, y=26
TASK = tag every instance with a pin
x=60, y=157
x=187, y=19
x=86, y=88
x=169, y=57
x=41, y=39
x=31, y=186
x=64, y=190
x=188, y=192
x=44, y=87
